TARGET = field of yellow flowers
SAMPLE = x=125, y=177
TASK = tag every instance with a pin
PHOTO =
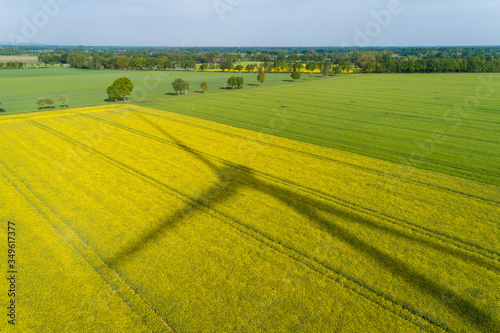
x=131, y=219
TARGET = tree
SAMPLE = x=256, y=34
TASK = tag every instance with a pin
x=192, y=64
x=177, y=84
x=370, y=67
x=150, y=63
x=261, y=77
x=280, y=66
x=49, y=102
x=78, y=59
x=41, y=103
x=346, y=65
x=97, y=60
x=226, y=65
x=203, y=67
x=297, y=67
x=180, y=85
x=232, y=82
x=239, y=68
x=204, y=86
x=366, y=59
x=326, y=69
x=240, y=81
x=110, y=62
x=112, y=93
x=123, y=87
x=63, y=99
x=295, y=75
x=311, y=66
x=121, y=62
x=161, y=63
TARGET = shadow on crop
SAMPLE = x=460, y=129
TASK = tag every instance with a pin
x=119, y=99
x=232, y=178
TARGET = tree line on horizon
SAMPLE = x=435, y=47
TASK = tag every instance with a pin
x=367, y=62
x=255, y=53
x=352, y=59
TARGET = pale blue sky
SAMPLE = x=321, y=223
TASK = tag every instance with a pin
x=251, y=22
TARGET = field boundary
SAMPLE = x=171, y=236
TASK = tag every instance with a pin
x=135, y=302
x=435, y=187
x=299, y=137
x=409, y=157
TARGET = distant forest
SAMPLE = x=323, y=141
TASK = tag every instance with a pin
x=349, y=59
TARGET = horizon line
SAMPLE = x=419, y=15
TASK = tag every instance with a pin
x=257, y=46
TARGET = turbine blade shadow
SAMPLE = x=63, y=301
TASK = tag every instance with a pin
x=460, y=306
x=179, y=143
x=211, y=196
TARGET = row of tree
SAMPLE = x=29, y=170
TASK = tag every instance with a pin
x=12, y=65
x=123, y=86
x=47, y=101
x=367, y=62
x=391, y=64
x=10, y=51
x=83, y=60
x=271, y=54
x=436, y=59
x=249, y=51
x=359, y=60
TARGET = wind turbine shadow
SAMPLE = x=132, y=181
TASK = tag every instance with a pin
x=233, y=178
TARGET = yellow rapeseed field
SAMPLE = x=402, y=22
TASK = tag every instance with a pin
x=132, y=219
